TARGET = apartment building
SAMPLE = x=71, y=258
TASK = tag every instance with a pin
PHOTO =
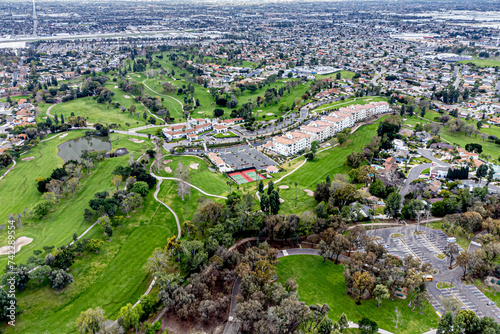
x=327, y=126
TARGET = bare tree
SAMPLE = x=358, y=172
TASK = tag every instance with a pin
x=182, y=175
x=397, y=318
x=158, y=155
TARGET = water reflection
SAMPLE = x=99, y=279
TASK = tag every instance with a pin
x=71, y=150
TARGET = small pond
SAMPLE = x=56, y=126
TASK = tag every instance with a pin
x=71, y=150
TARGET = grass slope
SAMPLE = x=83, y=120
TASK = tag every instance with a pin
x=330, y=161
x=323, y=282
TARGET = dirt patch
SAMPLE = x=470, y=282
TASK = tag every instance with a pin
x=126, y=96
x=309, y=192
x=194, y=166
x=28, y=158
x=168, y=169
x=19, y=243
x=167, y=161
x=284, y=187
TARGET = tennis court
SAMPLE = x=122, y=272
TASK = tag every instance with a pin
x=253, y=175
x=245, y=176
x=238, y=178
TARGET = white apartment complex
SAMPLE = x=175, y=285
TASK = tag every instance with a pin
x=326, y=127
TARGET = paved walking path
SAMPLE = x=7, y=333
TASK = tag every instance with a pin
x=189, y=184
x=8, y=170
x=151, y=89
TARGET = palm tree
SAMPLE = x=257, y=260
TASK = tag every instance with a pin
x=296, y=184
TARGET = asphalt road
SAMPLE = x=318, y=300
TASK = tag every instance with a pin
x=413, y=175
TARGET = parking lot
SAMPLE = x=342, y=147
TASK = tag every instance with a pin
x=424, y=244
x=238, y=158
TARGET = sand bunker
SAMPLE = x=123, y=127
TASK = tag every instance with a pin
x=116, y=87
x=137, y=141
x=167, y=161
x=63, y=135
x=284, y=187
x=168, y=169
x=269, y=114
x=20, y=242
x=281, y=200
x=309, y=192
x=201, y=112
x=126, y=96
x=28, y=158
x=194, y=166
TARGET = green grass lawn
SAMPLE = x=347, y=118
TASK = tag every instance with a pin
x=98, y=113
x=228, y=134
x=460, y=139
x=109, y=279
x=208, y=181
x=482, y=62
x=323, y=282
x=152, y=131
x=19, y=192
x=330, y=161
x=462, y=240
x=491, y=293
x=344, y=74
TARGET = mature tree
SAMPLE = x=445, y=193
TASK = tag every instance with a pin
x=471, y=221
x=5, y=159
x=182, y=175
x=131, y=315
x=464, y=260
x=195, y=254
x=261, y=186
x=296, y=184
x=274, y=202
x=393, y=205
x=270, y=187
x=314, y=147
x=40, y=273
x=381, y=292
x=367, y=326
x=362, y=281
x=445, y=325
x=325, y=250
x=451, y=250
x=55, y=186
x=117, y=180
x=355, y=159
x=7, y=301
x=482, y=171
x=41, y=208
x=91, y=321
x=158, y=262
x=140, y=188
x=339, y=244
x=19, y=275
x=60, y=279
